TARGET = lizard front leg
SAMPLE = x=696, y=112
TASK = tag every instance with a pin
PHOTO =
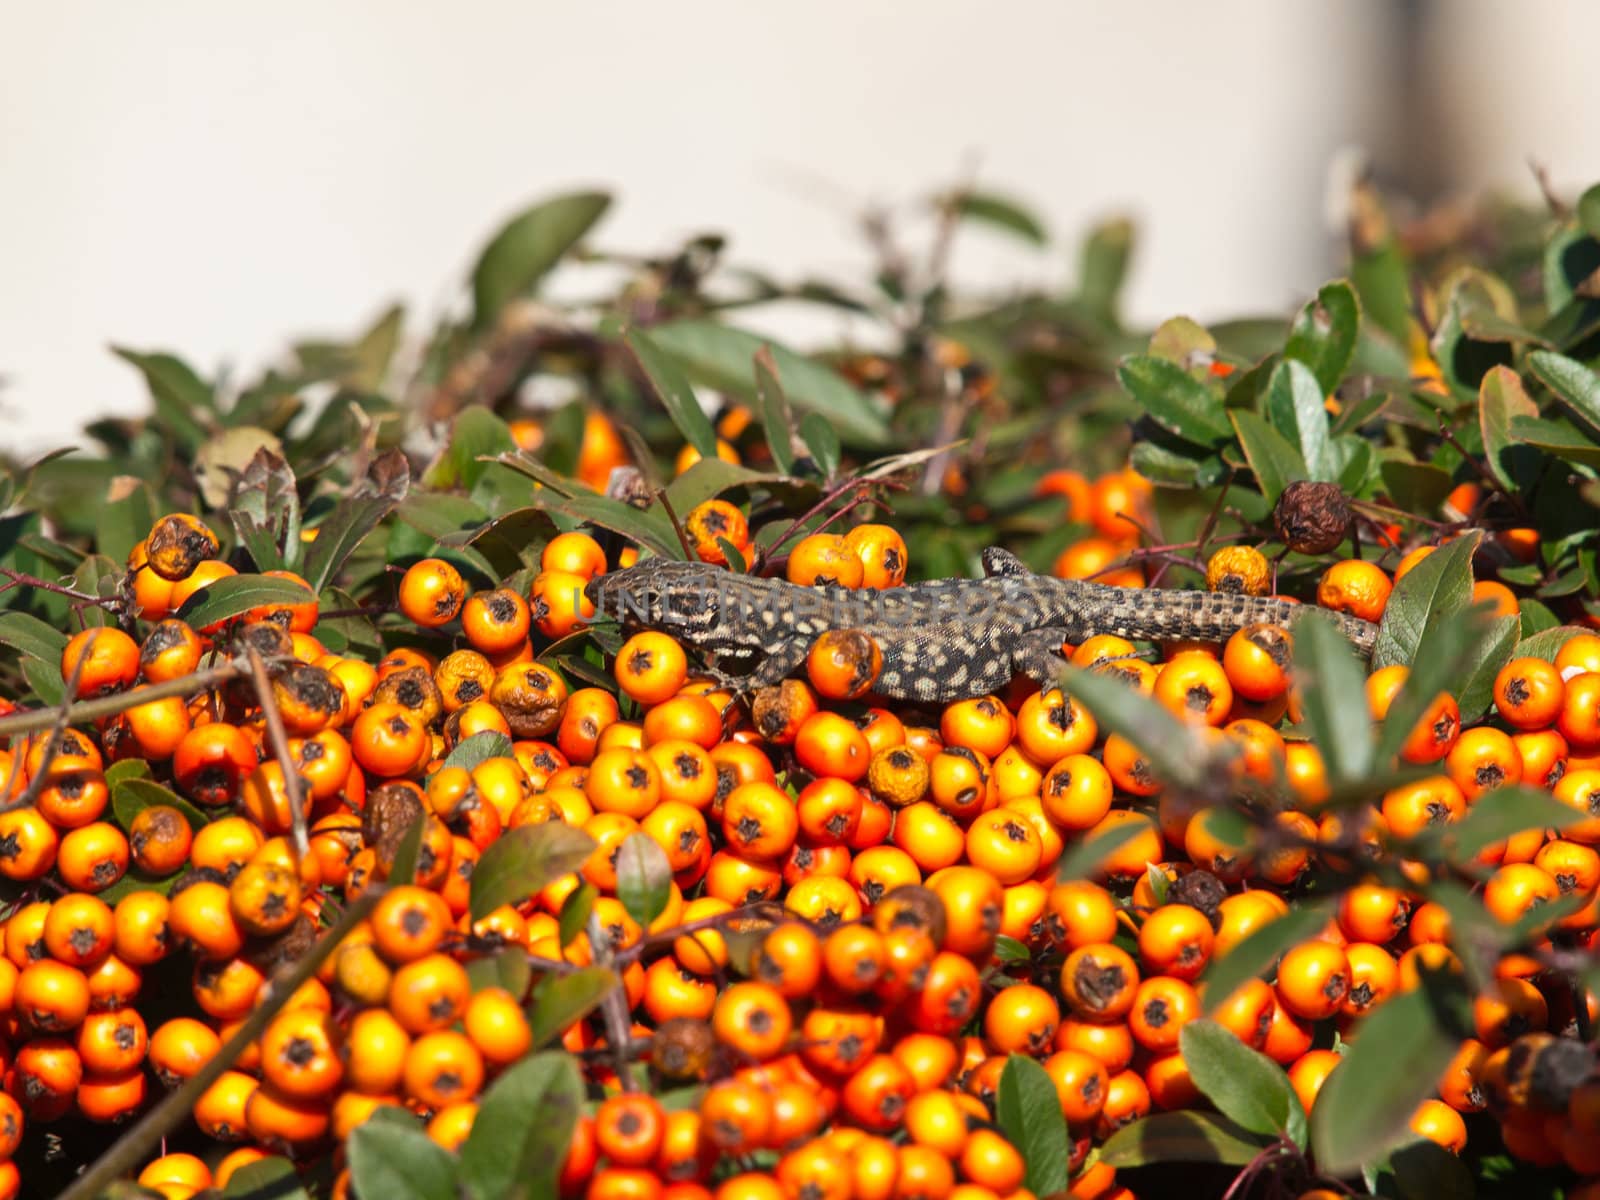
x=778, y=661
x=1038, y=655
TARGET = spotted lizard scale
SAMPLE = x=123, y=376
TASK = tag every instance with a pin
x=943, y=640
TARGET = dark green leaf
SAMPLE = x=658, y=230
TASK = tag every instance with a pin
x=1546, y=644
x=408, y=854
x=475, y=435
x=266, y=1179
x=1425, y=1170
x=998, y=212
x=265, y=511
x=1295, y=406
x=524, y=861
x=1102, y=269
x=124, y=522
x=1502, y=397
x=559, y=1000
x=179, y=394
x=1181, y=1137
x=1029, y=1113
x=1589, y=211
x=649, y=528
x=1404, y=1047
x=1436, y=588
x=508, y=969
x=709, y=478
x=1333, y=692
x=575, y=910
x=1174, y=750
x=389, y=1159
x=721, y=357
x=234, y=595
x=1257, y=953
x=44, y=678
x=524, y=1122
x=1414, y=486
x=644, y=878
x=1501, y=813
x=31, y=636
x=126, y=768
x=675, y=391
x=1575, y=385
x=1449, y=640
x=1476, y=674
x=374, y=498
x=527, y=247
x=1324, y=334
x=1272, y=457
x=1174, y=399
x=478, y=749
x=776, y=422
x=131, y=795
x=818, y=435
x=1008, y=950
x=1560, y=438
x=1244, y=1084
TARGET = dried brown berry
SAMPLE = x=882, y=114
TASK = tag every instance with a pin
x=1312, y=518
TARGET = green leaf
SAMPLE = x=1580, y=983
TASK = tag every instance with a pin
x=650, y=529
x=1501, y=397
x=389, y=1159
x=1333, y=692
x=369, y=502
x=1181, y=1137
x=124, y=522
x=1589, y=211
x=266, y=1179
x=644, y=878
x=526, y=249
x=1502, y=813
x=31, y=636
x=265, y=511
x=223, y=457
x=1085, y=857
x=560, y=1000
x=1173, y=748
x=777, y=424
x=575, y=910
x=1174, y=399
x=475, y=435
x=1476, y=673
x=822, y=441
x=478, y=749
x=709, y=478
x=1414, y=486
x=1260, y=950
x=508, y=969
x=1272, y=457
x=179, y=394
x=44, y=678
x=234, y=595
x=1244, y=1084
x=519, y=1138
x=124, y=769
x=1560, y=438
x=1425, y=1170
x=1437, y=587
x=1452, y=639
x=1324, y=334
x=1295, y=406
x=1545, y=644
x=675, y=391
x=1103, y=268
x=1405, y=1044
x=1575, y=385
x=720, y=356
x=131, y=795
x=1029, y=1114
x=998, y=212
x=524, y=861
x=403, y=871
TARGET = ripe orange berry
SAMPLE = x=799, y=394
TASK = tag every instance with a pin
x=1356, y=587
x=1313, y=980
x=431, y=592
x=824, y=558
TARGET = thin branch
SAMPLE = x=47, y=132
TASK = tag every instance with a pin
x=52, y=746
x=109, y=706
x=677, y=525
x=614, y=1008
x=132, y=1147
x=293, y=785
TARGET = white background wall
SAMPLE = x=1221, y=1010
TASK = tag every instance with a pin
x=217, y=178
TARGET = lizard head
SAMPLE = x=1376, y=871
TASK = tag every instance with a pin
x=674, y=597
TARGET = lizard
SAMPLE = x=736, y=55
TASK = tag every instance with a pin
x=941, y=640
